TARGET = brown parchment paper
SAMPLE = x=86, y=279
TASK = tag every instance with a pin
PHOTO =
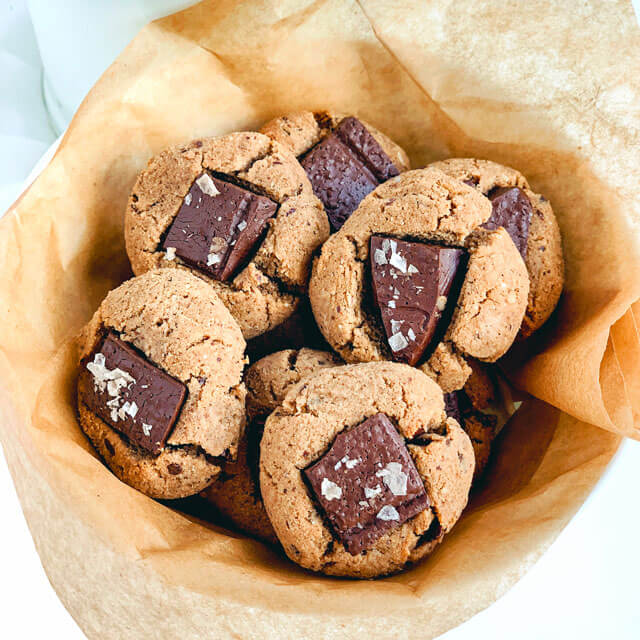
x=551, y=88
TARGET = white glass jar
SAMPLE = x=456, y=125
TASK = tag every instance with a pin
x=79, y=39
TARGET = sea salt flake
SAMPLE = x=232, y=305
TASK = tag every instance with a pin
x=213, y=259
x=391, y=304
x=207, y=185
x=372, y=493
x=242, y=225
x=395, y=478
x=363, y=503
x=170, y=253
x=187, y=199
x=397, y=261
x=441, y=303
x=131, y=408
x=397, y=342
x=395, y=325
x=412, y=269
x=146, y=429
x=388, y=513
x=330, y=490
x=379, y=257
x=411, y=335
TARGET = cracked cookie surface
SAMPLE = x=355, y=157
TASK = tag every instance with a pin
x=179, y=325
x=544, y=259
x=303, y=428
x=236, y=493
x=267, y=290
x=429, y=206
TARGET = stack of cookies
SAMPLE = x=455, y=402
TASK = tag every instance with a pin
x=307, y=343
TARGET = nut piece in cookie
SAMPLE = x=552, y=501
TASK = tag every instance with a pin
x=160, y=391
x=344, y=157
x=239, y=212
x=236, y=493
x=411, y=286
x=367, y=483
x=217, y=226
x=130, y=394
x=531, y=223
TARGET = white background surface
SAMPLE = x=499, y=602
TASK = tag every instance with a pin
x=586, y=586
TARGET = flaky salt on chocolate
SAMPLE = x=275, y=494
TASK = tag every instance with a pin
x=412, y=283
x=367, y=483
x=217, y=226
x=130, y=394
x=346, y=166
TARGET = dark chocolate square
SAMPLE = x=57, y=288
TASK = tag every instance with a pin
x=130, y=394
x=345, y=167
x=367, y=483
x=217, y=226
x=511, y=209
x=412, y=283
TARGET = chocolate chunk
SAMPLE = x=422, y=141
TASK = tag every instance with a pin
x=174, y=469
x=452, y=407
x=411, y=286
x=511, y=210
x=367, y=483
x=217, y=226
x=357, y=137
x=130, y=394
x=346, y=166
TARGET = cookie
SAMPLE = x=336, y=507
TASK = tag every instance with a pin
x=412, y=277
x=160, y=391
x=476, y=409
x=345, y=158
x=236, y=493
x=361, y=471
x=529, y=220
x=238, y=211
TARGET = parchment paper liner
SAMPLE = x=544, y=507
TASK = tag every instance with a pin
x=540, y=90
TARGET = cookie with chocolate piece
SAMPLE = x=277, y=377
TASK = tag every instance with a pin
x=344, y=157
x=160, y=392
x=531, y=223
x=413, y=277
x=239, y=212
x=361, y=471
x=236, y=493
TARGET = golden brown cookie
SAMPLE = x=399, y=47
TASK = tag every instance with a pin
x=543, y=255
x=360, y=470
x=422, y=210
x=236, y=493
x=238, y=211
x=345, y=158
x=160, y=391
x=477, y=409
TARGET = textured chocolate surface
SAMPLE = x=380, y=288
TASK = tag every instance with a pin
x=411, y=286
x=130, y=394
x=217, y=226
x=346, y=166
x=367, y=483
x=511, y=210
